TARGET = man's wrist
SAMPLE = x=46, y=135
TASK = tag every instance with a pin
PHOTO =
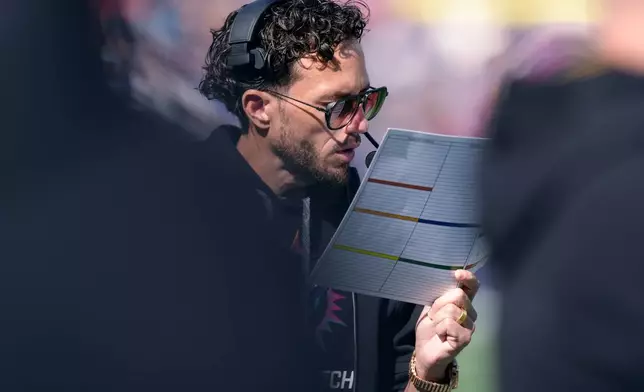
x=438, y=373
x=433, y=378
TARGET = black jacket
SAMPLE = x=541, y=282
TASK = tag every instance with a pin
x=385, y=328
x=563, y=210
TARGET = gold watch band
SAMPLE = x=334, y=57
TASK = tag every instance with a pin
x=428, y=386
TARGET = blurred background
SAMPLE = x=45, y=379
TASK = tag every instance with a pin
x=443, y=62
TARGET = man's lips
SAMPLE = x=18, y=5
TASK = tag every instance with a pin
x=347, y=154
x=348, y=146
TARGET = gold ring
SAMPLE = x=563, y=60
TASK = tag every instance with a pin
x=461, y=319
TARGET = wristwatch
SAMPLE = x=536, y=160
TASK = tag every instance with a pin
x=428, y=386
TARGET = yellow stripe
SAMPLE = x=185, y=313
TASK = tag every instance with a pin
x=386, y=214
x=505, y=12
x=366, y=252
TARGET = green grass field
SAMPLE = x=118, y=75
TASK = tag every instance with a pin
x=478, y=361
x=477, y=364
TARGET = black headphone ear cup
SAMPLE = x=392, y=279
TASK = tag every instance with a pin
x=258, y=58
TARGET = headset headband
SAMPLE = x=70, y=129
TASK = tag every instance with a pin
x=242, y=34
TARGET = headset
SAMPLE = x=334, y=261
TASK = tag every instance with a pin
x=247, y=57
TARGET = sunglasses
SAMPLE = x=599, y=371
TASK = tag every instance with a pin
x=338, y=114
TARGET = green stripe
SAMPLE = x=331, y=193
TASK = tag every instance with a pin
x=403, y=259
x=437, y=266
x=424, y=264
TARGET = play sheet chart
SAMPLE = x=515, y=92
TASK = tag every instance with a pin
x=413, y=221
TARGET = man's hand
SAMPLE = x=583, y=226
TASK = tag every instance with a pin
x=439, y=336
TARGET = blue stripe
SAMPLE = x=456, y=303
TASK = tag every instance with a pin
x=446, y=224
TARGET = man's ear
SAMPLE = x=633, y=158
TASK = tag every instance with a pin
x=258, y=108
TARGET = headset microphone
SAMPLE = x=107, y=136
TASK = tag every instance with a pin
x=369, y=158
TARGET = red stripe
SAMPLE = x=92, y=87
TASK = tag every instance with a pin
x=401, y=185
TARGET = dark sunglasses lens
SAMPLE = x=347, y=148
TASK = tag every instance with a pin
x=373, y=103
x=342, y=112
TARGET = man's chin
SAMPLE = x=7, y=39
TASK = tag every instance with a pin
x=335, y=175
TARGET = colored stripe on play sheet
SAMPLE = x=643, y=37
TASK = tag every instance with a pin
x=400, y=184
x=413, y=219
x=403, y=259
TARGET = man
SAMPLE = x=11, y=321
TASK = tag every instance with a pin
x=563, y=206
x=302, y=118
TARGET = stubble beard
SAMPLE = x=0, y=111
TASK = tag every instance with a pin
x=301, y=158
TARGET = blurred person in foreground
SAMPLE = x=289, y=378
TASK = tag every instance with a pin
x=302, y=120
x=123, y=268
x=563, y=210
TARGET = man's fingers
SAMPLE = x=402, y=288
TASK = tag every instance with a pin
x=424, y=314
x=448, y=311
x=452, y=312
x=449, y=329
x=456, y=297
x=468, y=282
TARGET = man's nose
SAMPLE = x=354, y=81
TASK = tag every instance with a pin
x=358, y=124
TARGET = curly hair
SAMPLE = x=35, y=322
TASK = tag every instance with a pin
x=292, y=29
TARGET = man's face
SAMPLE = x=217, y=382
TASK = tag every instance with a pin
x=303, y=141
